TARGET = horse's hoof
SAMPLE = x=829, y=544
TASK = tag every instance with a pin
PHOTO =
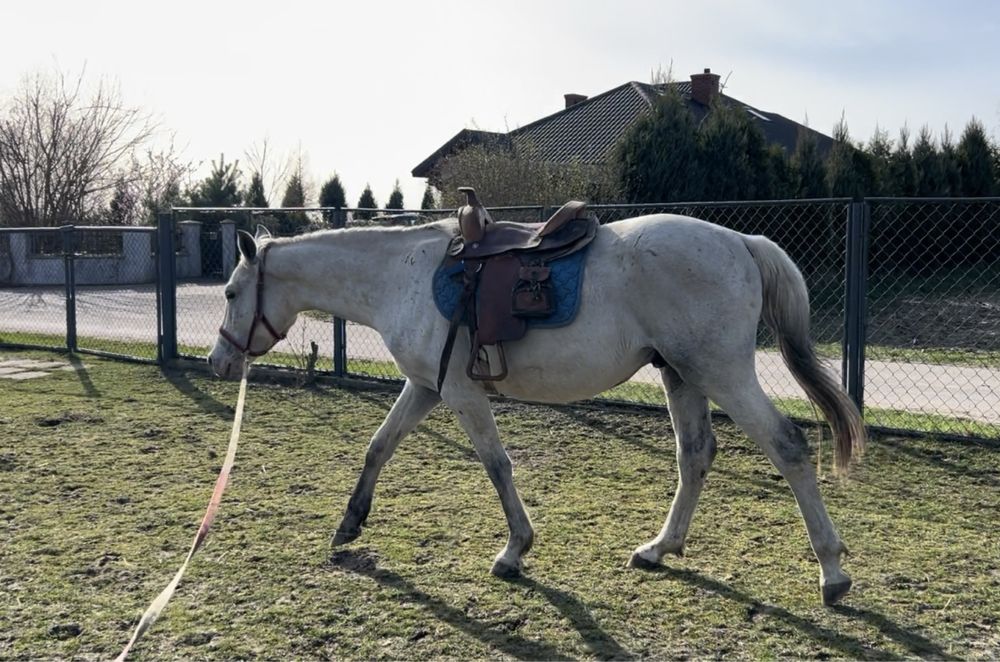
x=640, y=562
x=505, y=570
x=344, y=536
x=834, y=592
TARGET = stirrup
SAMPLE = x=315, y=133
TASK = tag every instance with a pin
x=470, y=369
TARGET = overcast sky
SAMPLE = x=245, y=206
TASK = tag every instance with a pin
x=371, y=88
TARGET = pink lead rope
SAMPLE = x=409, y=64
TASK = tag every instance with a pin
x=153, y=612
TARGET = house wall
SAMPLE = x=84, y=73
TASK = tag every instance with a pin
x=135, y=264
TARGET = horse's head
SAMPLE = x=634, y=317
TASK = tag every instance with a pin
x=257, y=316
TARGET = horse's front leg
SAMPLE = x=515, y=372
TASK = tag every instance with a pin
x=410, y=408
x=476, y=418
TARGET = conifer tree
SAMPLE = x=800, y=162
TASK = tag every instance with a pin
x=366, y=201
x=395, y=198
x=332, y=194
x=657, y=159
x=902, y=173
x=781, y=175
x=879, y=150
x=221, y=188
x=975, y=160
x=724, y=153
x=808, y=169
x=842, y=174
x=428, y=201
x=290, y=223
x=927, y=168
x=295, y=193
x=254, y=196
x=950, y=172
x=125, y=206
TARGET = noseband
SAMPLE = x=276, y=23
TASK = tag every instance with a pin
x=258, y=317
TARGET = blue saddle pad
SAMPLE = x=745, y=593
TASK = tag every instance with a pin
x=567, y=282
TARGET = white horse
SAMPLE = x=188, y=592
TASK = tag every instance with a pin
x=680, y=290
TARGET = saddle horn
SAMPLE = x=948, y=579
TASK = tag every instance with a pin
x=472, y=216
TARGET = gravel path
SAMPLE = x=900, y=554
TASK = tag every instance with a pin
x=130, y=314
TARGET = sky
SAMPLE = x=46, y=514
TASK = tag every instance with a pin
x=368, y=89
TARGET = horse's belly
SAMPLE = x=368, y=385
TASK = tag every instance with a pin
x=554, y=368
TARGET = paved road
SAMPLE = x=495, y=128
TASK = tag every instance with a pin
x=130, y=314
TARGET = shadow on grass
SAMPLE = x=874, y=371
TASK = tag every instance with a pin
x=462, y=446
x=938, y=457
x=179, y=379
x=83, y=376
x=496, y=635
x=594, y=420
x=850, y=647
x=599, y=642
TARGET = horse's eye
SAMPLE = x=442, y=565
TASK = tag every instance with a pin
x=230, y=295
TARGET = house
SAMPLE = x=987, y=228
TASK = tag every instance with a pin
x=587, y=129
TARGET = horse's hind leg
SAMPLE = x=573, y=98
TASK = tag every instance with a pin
x=741, y=396
x=412, y=405
x=695, y=451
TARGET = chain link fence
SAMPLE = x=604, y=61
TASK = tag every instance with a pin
x=90, y=289
x=903, y=296
x=932, y=356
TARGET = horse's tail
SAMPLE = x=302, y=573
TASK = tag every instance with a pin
x=786, y=313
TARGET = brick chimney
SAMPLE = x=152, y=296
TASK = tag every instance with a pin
x=704, y=86
x=573, y=99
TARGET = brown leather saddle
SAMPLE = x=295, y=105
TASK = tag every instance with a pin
x=506, y=276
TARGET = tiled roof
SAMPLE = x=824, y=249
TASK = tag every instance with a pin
x=588, y=131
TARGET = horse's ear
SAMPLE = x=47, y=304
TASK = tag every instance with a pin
x=262, y=232
x=247, y=245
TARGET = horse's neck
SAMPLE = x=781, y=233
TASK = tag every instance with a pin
x=347, y=273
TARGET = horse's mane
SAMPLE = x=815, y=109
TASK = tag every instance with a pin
x=447, y=227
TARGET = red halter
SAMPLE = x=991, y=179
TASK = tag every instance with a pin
x=258, y=317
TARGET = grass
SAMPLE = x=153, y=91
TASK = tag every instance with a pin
x=104, y=474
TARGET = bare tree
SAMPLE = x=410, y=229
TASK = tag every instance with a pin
x=272, y=170
x=514, y=175
x=62, y=150
x=151, y=182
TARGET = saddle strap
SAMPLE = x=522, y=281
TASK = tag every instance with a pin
x=464, y=307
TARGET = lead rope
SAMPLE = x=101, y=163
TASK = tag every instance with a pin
x=153, y=612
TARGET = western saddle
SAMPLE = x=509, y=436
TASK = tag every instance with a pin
x=506, y=276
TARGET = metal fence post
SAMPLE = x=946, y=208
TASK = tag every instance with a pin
x=339, y=347
x=69, y=270
x=166, y=269
x=855, y=296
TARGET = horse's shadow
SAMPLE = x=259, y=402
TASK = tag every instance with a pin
x=600, y=644
x=179, y=379
x=847, y=646
x=463, y=446
x=603, y=646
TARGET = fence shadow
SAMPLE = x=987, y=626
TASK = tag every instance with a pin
x=81, y=373
x=847, y=646
x=937, y=457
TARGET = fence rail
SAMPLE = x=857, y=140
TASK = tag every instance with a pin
x=905, y=296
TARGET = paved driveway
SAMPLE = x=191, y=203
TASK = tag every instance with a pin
x=130, y=314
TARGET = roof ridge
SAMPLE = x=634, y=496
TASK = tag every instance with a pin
x=641, y=89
